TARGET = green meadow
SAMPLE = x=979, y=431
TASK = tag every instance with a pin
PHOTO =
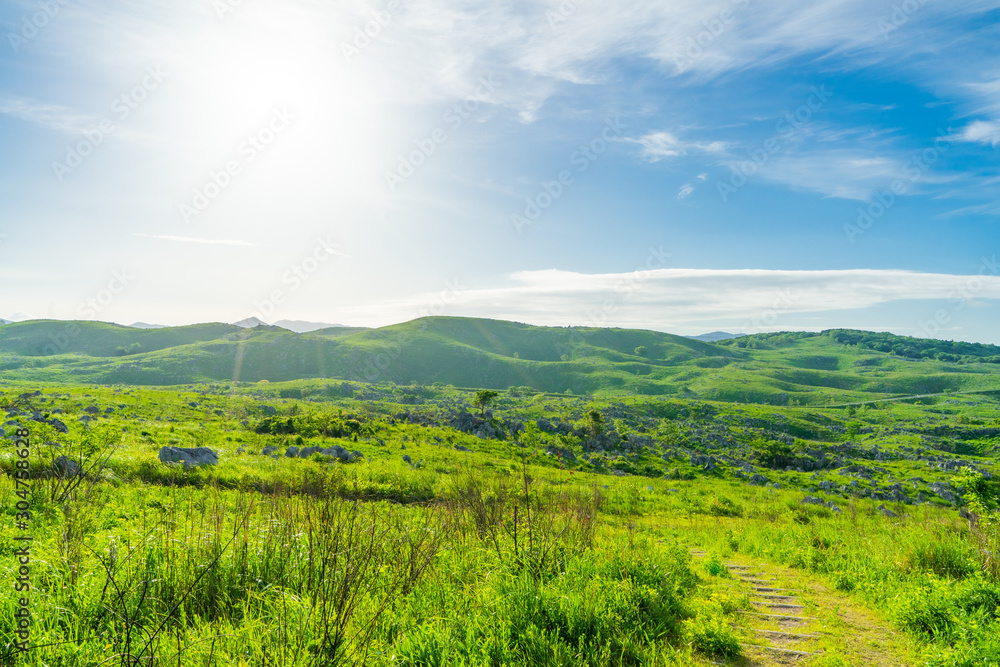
x=491, y=493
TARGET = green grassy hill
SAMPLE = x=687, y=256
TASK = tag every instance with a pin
x=836, y=366
x=100, y=339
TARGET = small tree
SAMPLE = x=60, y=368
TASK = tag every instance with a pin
x=483, y=398
x=853, y=429
x=772, y=453
x=596, y=422
x=640, y=351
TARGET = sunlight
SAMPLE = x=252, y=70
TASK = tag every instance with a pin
x=273, y=90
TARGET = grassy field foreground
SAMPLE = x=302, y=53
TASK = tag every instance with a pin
x=491, y=549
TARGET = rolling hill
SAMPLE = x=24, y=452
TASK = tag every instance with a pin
x=837, y=366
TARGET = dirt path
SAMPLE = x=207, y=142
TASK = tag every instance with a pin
x=912, y=397
x=796, y=620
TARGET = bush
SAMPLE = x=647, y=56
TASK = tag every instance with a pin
x=723, y=506
x=712, y=637
x=715, y=567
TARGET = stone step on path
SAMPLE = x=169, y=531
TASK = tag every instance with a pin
x=779, y=607
x=783, y=606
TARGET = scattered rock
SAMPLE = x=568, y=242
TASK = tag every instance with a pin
x=887, y=512
x=189, y=456
x=706, y=463
x=66, y=467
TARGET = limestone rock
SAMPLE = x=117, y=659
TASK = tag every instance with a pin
x=189, y=456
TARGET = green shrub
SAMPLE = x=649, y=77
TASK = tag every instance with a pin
x=715, y=567
x=723, y=506
x=712, y=636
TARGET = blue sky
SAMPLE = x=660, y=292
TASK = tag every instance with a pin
x=684, y=166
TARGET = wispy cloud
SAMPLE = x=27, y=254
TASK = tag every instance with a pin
x=657, y=146
x=678, y=299
x=981, y=132
x=51, y=116
x=191, y=239
x=689, y=187
x=840, y=173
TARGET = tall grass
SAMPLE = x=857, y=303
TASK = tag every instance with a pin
x=924, y=569
x=501, y=571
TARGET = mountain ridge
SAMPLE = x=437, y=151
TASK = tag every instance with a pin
x=840, y=366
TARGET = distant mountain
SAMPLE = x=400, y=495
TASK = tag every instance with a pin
x=715, y=336
x=3, y=322
x=143, y=325
x=250, y=323
x=300, y=326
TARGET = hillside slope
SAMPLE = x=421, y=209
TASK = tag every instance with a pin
x=782, y=369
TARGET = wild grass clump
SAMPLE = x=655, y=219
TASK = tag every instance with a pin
x=723, y=506
x=712, y=636
x=524, y=524
x=946, y=612
x=715, y=567
x=950, y=559
x=625, y=607
x=307, y=579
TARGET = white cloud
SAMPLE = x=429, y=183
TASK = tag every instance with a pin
x=659, y=145
x=684, y=299
x=688, y=188
x=981, y=132
x=840, y=173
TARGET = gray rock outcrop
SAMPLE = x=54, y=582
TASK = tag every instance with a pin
x=189, y=456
